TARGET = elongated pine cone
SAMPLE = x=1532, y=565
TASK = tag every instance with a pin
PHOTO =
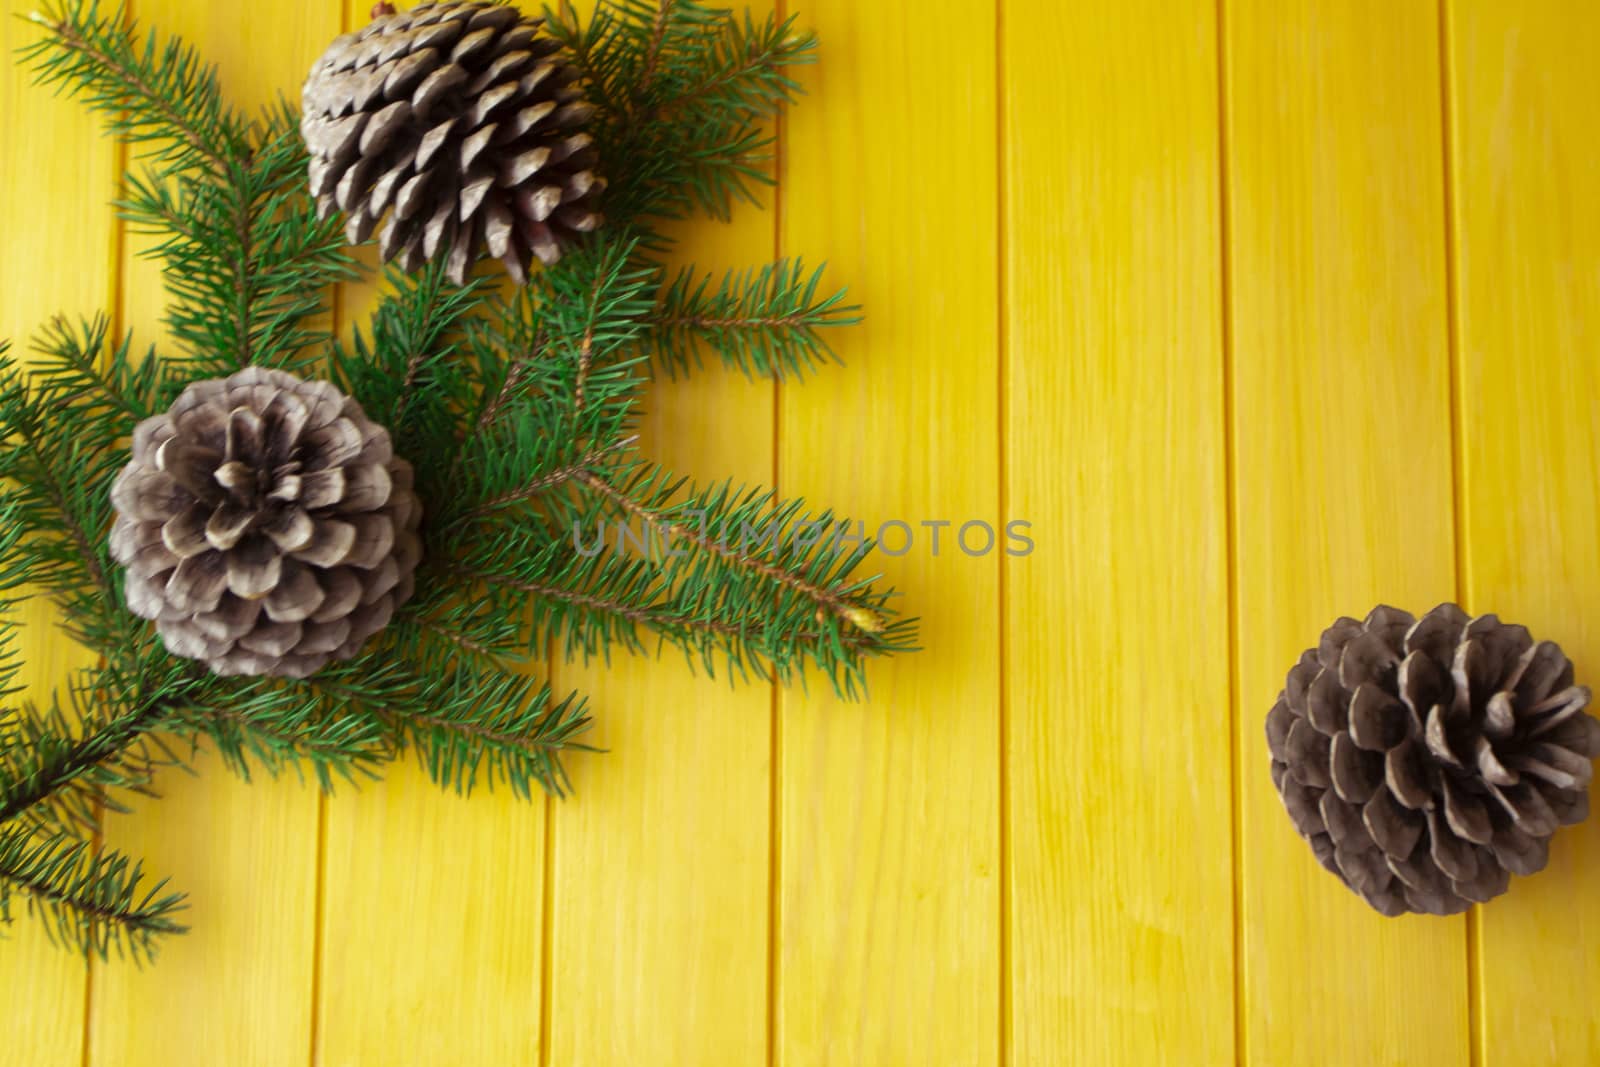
x=266, y=524
x=465, y=125
x=1427, y=760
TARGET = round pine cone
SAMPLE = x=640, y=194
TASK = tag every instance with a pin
x=1427, y=760
x=266, y=524
x=462, y=123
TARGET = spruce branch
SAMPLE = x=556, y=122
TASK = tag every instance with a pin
x=244, y=257
x=539, y=485
x=515, y=739
x=405, y=369
x=93, y=899
x=468, y=719
x=161, y=98
x=653, y=45
x=55, y=471
x=764, y=322
x=733, y=577
x=551, y=374
x=670, y=529
x=15, y=561
x=684, y=91
x=510, y=375
x=101, y=383
x=59, y=497
x=261, y=724
x=620, y=616
x=89, y=743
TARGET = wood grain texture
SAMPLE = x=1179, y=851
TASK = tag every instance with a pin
x=660, y=904
x=57, y=174
x=237, y=989
x=1117, y=623
x=889, y=828
x=1524, y=85
x=442, y=895
x=1343, y=474
x=659, y=885
x=432, y=912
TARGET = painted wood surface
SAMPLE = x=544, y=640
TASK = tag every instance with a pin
x=1342, y=477
x=1258, y=312
x=1116, y=624
x=888, y=823
x=52, y=163
x=1527, y=233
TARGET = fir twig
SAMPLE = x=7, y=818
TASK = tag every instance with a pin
x=766, y=322
x=95, y=900
x=71, y=768
x=165, y=99
x=57, y=458
x=259, y=723
x=543, y=483
x=861, y=617
x=684, y=91
x=245, y=259
x=468, y=719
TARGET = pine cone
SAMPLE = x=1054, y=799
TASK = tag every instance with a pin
x=462, y=123
x=1427, y=760
x=266, y=525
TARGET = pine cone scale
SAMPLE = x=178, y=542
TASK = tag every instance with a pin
x=184, y=534
x=196, y=585
x=254, y=568
x=1394, y=827
x=1427, y=760
x=1355, y=773
x=297, y=595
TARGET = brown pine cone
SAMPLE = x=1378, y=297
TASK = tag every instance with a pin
x=266, y=525
x=1427, y=760
x=464, y=125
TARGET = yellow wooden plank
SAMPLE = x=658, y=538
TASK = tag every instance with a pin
x=57, y=178
x=659, y=908
x=1524, y=85
x=659, y=905
x=660, y=883
x=237, y=989
x=1343, y=474
x=888, y=938
x=1117, y=624
x=440, y=894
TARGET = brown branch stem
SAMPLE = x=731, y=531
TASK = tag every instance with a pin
x=652, y=58
x=706, y=322
x=655, y=619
